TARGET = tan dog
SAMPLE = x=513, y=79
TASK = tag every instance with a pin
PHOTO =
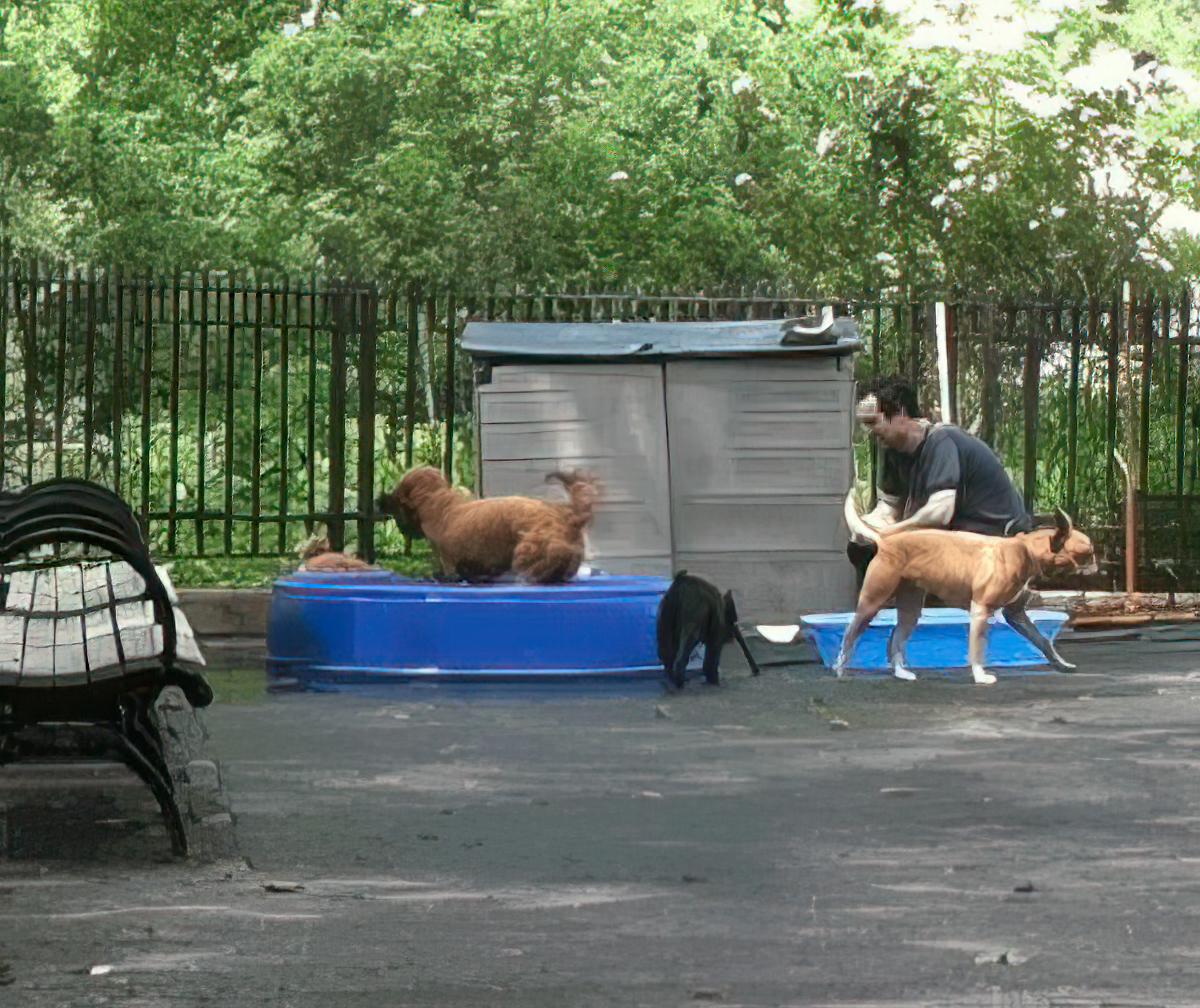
x=961, y=568
x=318, y=555
x=480, y=540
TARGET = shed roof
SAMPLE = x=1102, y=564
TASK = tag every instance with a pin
x=645, y=340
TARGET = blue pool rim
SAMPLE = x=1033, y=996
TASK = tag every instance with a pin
x=328, y=629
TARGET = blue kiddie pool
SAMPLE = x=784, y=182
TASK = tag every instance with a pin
x=370, y=627
x=938, y=642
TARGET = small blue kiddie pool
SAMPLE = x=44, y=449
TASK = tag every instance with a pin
x=371, y=627
x=938, y=642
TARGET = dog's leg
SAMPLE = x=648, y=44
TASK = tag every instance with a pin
x=909, y=600
x=976, y=642
x=737, y=636
x=882, y=581
x=1019, y=620
x=712, y=659
x=443, y=566
x=854, y=630
x=689, y=637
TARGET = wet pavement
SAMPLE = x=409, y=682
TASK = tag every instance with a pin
x=1032, y=843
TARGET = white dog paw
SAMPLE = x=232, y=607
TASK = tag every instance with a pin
x=900, y=672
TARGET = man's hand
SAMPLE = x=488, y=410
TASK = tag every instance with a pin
x=884, y=515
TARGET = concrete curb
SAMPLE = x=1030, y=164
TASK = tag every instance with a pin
x=230, y=624
x=226, y=611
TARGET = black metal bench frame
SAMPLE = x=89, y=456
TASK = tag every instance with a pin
x=111, y=719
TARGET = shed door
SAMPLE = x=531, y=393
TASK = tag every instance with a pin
x=760, y=463
x=610, y=419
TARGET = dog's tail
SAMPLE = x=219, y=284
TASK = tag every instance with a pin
x=584, y=491
x=854, y=521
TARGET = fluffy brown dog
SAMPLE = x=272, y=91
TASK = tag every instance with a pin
x=962, y=568
x=480, y=540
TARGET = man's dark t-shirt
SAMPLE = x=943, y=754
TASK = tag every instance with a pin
x=951, y=459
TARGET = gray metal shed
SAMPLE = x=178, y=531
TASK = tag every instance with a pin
x=722, y=450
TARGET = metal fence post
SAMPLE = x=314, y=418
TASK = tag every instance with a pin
x=1073, y=413
x=451, y=335
x=1031, y=386
x=1181, y=401
x=173, y=412
x=256, y=421
x=147, y=377
x=202, y=410
x=342, y=319
x=61, y=372
x=284, y=406
x=410, y=372
x=368, y=305
x=118, y=382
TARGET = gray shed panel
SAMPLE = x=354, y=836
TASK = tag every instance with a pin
x=609, y=419
x=776, y=586
x=760, y=461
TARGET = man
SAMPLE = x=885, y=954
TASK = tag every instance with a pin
x=931, y=475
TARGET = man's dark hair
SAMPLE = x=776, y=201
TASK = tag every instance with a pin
x=893, y=393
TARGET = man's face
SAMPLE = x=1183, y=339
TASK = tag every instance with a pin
x=892, y=432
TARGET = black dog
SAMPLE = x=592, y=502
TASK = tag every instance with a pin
x=693, y=612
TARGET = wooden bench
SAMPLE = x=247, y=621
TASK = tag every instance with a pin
x=90, y=635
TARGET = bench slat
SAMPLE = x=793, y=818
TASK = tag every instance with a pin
x=58, y=624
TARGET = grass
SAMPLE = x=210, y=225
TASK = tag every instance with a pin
x=237, y=686
x=260, y=572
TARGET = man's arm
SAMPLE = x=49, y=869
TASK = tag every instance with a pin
x=887, y=511
x=937, y=513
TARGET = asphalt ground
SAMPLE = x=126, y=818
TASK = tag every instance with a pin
x=1034, y=843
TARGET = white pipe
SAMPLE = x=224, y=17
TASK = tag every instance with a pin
x=1130, y=527
x=939, y=325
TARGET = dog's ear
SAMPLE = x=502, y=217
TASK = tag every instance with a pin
x=1063, y=527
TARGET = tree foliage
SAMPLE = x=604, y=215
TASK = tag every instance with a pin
x=911, y=144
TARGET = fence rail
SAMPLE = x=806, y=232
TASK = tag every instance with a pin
x=237, y=412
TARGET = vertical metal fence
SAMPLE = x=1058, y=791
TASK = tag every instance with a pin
x=228, y=411
x=236, y=413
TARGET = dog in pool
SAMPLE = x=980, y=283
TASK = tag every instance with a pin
x=484, y=539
